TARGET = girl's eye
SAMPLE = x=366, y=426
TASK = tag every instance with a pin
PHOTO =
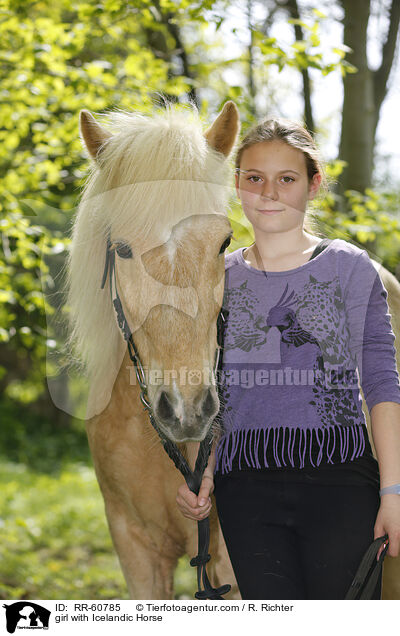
x=254, y=179
x=287, y=179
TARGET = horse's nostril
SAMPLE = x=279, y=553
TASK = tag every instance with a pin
x=164, y=407
x=209, y=403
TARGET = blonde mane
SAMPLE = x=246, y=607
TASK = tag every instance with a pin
x=151, y=174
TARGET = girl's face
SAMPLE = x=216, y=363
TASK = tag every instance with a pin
x=274, y=187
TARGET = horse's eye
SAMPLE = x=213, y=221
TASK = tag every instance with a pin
x=225, y=244
x=123, y=250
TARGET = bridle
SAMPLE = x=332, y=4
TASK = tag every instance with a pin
x=192, y=478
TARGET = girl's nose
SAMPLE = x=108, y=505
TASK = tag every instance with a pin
x=269, y=190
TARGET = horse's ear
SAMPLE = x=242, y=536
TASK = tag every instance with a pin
x=93, y=135
x=223, y=133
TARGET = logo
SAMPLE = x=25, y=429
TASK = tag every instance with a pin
x=26, y=615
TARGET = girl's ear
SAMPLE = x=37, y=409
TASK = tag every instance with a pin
x=314, y=185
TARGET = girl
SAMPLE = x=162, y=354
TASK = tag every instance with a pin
x=295, y=480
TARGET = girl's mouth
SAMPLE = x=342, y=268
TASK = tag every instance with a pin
x=269, y=211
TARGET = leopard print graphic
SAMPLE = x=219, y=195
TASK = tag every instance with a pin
x=314, y=317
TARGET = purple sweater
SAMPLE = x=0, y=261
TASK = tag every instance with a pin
x=297, y=346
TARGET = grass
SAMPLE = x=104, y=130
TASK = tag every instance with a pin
x=54, y=538
x=54, y=542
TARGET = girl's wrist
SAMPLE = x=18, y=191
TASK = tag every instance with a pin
x=390, y=490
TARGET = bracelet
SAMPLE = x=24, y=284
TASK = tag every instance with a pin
x=390, y=490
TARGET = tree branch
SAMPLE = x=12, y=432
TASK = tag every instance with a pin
x=250, y=77
x=269, y=20
x=293, y=9
x=381, y=75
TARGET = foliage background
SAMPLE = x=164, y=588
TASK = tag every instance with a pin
x=55, y=59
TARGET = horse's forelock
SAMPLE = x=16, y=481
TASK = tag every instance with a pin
x=165, y=146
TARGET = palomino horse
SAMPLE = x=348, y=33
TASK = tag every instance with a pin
x=157, y=195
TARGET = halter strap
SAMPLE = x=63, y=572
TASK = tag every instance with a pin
x=192, y=478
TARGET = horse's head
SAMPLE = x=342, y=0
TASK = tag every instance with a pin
x=157, y=197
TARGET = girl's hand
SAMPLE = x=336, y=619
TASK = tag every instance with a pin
x=193, y=506
x=388, y=521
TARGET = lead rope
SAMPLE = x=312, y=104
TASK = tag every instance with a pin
x=192, y=478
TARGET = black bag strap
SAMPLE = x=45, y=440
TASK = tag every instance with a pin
x=366, y=578
x=320, y=247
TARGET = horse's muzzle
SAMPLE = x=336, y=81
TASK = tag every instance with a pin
x=186, y=419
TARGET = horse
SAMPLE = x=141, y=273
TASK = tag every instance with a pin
x=157, y=197
x=391, y=565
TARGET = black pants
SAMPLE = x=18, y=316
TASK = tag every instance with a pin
x=295, y=540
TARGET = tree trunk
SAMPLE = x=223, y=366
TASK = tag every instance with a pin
x=364, y=93
x=356, y=143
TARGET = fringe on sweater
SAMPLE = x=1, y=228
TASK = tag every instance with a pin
x=283, y=446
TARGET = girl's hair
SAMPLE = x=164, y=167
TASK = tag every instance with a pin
x=296, y=136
